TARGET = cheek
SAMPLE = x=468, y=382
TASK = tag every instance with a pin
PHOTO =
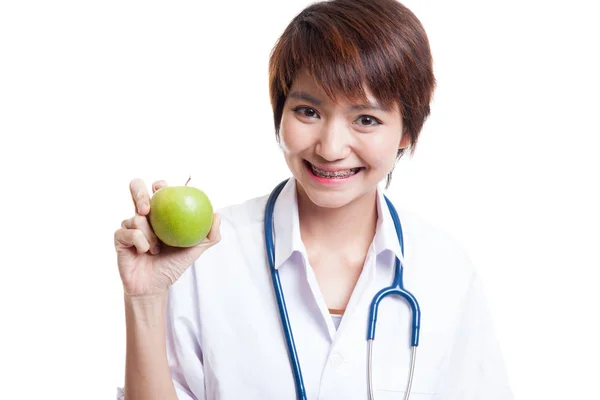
x=381, y=153
x=295, y=136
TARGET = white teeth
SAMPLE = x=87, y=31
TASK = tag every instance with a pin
x=334, y=175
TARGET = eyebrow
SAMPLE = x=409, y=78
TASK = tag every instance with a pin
x=306, y=97
x=369, y=106
x=356, y=107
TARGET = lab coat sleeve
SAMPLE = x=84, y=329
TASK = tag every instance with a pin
x=476, y=369
x=184, y=351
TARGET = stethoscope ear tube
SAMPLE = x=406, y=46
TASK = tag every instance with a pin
x=370, y=371
x=289, y=337
x=397, y=288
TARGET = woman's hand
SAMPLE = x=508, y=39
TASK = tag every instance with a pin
x=147, y=266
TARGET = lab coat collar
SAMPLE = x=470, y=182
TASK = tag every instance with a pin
x=287, y=241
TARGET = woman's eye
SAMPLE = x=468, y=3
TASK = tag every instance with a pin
x=367, y=120
x=307, y=112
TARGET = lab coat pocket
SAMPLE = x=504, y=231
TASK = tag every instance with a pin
x=399, y=395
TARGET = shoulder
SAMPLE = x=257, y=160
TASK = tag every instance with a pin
x=245, y=215
x=433, y=249
x=425, y=232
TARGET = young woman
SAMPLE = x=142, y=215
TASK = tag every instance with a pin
x=351, y=83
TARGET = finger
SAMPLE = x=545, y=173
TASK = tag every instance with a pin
x=215, y=231
x=142, y=224
x=126, y=238
x=140, y=197
x=158, y=185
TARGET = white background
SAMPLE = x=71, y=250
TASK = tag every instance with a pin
x=94, y=94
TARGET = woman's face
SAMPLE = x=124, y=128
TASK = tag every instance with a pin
x=338, y=151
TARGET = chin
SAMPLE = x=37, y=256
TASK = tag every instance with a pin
x=329, y=200
x=327, y=197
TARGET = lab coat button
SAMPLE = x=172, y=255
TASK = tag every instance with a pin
x=336, y=359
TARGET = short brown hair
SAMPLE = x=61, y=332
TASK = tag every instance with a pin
x=344, y=44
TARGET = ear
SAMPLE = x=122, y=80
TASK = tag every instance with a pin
x=405, y=141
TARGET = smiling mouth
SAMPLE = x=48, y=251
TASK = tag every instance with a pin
x=341, y=174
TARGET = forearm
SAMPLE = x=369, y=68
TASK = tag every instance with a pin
x=147, y=373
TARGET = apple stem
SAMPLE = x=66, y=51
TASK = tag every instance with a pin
x=188, y=180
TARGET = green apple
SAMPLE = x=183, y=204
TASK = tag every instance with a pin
x=180, y=216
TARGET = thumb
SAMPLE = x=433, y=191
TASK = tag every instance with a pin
x=214, y=235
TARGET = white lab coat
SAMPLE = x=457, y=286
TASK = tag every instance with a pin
x=224, y=338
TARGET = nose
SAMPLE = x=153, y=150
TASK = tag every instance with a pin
x=334, y=141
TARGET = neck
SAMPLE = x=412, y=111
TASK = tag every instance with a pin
x=350, y=228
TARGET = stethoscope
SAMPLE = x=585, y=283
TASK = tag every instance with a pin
x=396, y=288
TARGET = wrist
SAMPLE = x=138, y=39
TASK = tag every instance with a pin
x=148, y=310
x=146, y=300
